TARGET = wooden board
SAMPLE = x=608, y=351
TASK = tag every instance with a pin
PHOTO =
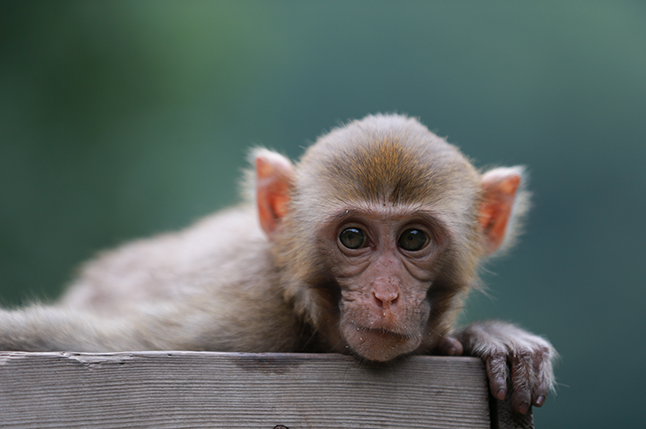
x=237, y=390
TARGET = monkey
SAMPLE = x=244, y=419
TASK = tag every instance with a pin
x=367, y=246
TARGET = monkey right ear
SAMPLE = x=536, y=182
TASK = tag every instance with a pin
x=274, y=181
x=500, y=201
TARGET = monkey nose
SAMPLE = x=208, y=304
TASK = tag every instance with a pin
x=385, y=299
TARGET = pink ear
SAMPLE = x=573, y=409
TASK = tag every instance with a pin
x=274, y=180
x=499, y=187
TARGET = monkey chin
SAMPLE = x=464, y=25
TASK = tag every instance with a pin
x=379, y=345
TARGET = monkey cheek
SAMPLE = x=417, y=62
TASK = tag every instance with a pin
x=379, y=345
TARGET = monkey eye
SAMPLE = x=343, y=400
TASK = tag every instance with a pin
x=353, y=238
x=412, y=240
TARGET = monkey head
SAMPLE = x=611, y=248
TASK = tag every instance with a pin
x=378, y=232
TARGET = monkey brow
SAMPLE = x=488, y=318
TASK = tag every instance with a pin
x=397, y=211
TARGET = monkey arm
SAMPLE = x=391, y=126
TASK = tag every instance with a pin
x=196, y=325
x=41, y=328
x=513, y=354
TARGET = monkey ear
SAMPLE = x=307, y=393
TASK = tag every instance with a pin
x=274, y=181
x=499, y=197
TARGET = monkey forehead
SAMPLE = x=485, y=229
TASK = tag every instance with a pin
x=387, y=158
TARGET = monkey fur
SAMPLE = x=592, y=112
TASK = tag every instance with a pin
x=367, y=246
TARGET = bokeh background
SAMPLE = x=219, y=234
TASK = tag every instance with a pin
x=121, y=119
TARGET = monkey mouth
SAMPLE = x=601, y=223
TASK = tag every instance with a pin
x=385, y=333
x=379, y=344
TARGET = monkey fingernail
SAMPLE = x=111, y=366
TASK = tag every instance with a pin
x=523, y=408
x=501, y=393
x=539, y=401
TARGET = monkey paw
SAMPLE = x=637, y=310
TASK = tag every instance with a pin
x=448, y=346
x=516, y=361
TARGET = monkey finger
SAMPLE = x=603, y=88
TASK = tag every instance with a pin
x=544, y=376
x=449, y=346
x=497, y=372
x=539, y=394
x=521, y=375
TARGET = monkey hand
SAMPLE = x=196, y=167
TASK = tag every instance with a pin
x=515, y=361
x=448, y=346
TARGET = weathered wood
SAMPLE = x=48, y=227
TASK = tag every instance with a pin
x=235, y=390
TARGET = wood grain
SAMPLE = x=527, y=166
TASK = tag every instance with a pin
x=236, y=390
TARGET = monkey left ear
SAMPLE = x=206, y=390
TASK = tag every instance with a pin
x=274, y=180
x=499, y=191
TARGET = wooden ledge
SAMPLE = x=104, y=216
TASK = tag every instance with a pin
x=241, y=390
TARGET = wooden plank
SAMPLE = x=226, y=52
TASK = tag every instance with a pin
x=236, y=390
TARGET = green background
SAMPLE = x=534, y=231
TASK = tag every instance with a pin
x=122, y=119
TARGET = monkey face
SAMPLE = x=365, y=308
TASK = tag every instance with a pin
x=384, y=264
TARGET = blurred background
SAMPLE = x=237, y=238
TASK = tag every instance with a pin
x=122, y=119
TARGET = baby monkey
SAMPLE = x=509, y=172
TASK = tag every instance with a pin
x=367, y=246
